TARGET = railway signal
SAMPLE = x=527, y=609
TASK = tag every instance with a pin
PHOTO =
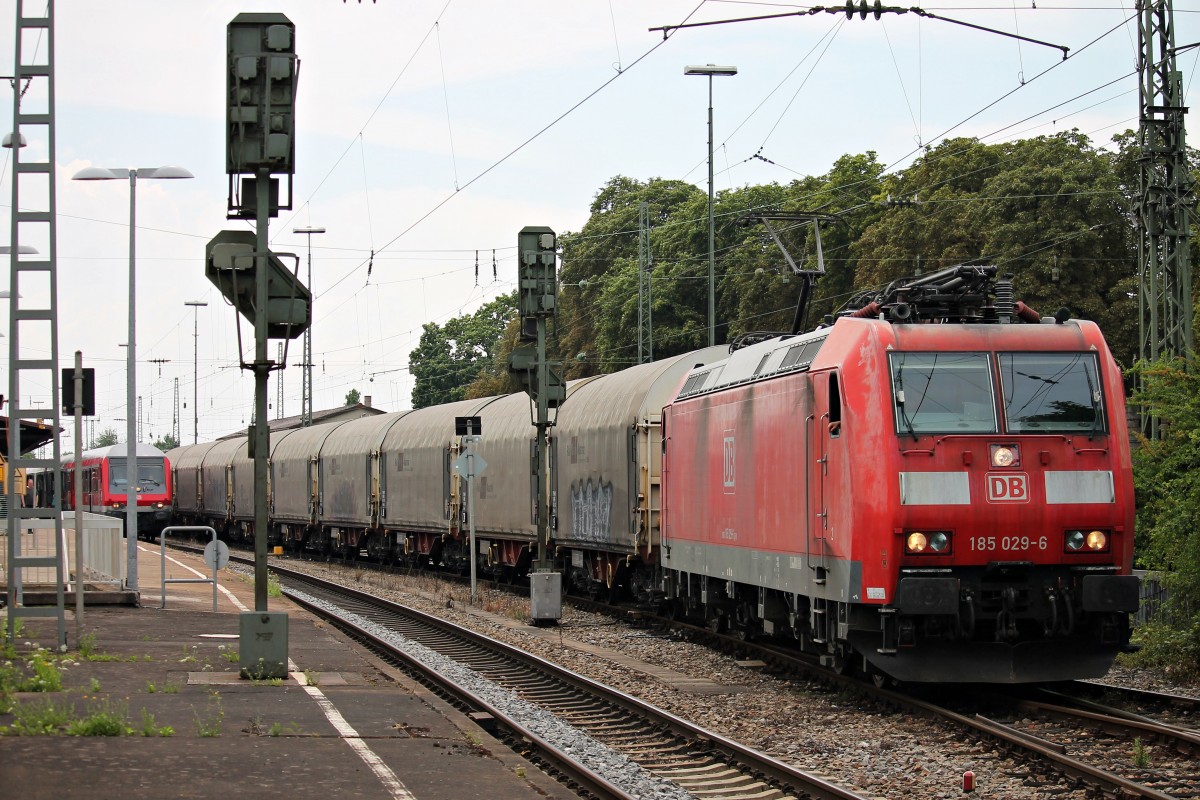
x=260, y=141
x=537, y=253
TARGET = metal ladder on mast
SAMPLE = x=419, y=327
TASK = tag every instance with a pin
x=33, y=314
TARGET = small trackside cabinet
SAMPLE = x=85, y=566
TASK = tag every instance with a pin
x=545, y=597
x=263, y=645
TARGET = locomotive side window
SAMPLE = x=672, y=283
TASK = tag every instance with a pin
x=1051, y=392
x=943, y=393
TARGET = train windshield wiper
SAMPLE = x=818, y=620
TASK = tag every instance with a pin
x=900, y=400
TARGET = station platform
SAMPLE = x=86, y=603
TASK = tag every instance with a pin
x=344, y=724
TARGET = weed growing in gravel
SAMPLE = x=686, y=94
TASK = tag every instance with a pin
x=87, y=645
x=209, y=725
x=1141, y=755
x=170, y=688
x=229, y=655
x=189, y=655
x=43, y=717
x=279, y=729
x=312, y=678
x=149, y=728
x=274, y=587
x=88, y=652
x=94, y=685
x=102, y=719
x=46, y=676
x=268, y=682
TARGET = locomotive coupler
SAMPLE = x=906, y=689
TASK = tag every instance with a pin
x=1006, y=620
x=1050, y=623
x=966, y=615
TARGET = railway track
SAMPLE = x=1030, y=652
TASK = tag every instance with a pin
x=1076, y=751
x=700, y=762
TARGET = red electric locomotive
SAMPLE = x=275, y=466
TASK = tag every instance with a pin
x=936, y=487
x=105, y=480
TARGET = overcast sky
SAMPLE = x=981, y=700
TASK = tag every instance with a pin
x=430, y=131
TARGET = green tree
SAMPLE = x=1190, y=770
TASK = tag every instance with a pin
x=1055, y=217
x=932, y=221
x=167, y=442
x=597, y=319
x=1167, y=477
x=449, y=358
x=107, y=438
x=353, y=398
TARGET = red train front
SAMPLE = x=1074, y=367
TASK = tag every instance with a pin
x=928, y=500
x=105, y=480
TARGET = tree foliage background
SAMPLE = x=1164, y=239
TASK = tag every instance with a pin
x=1053, y=210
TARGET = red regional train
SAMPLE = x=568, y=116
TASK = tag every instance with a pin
x=105, y=480
x=929, y=500
x=935, y=486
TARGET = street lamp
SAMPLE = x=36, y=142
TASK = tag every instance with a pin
x=196, y=305
x=710, y=70
x=104, y=174
x=306, y=392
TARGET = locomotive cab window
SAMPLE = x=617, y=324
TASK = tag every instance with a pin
x=943, y=393
x=151, y=474
x=1051, y=392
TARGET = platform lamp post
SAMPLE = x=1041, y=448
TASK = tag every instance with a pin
x=307, y=392
x=711, y=70
x=196, y=306
x=132, y=174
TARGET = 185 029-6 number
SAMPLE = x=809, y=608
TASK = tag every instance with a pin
x=1007, y=543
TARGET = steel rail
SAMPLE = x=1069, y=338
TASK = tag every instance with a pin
x=790, y=780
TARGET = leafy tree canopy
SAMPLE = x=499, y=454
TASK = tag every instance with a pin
x=450, y=357
x=167, y=442
x=353, y=398
x=107, y=438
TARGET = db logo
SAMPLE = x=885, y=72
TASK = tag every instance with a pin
x=1007, y=488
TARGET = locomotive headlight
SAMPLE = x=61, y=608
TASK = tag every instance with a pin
x=1005, y=455
x=1087, y=541
x=932, y=543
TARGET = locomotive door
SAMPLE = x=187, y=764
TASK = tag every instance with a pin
x=229, y=490
x=823, y=440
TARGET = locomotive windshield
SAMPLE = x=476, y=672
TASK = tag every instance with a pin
x=943, y=393
x=1051, y=392
x=151, y=474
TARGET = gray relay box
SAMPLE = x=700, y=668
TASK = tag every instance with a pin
x=545, y=596
x=263, y=645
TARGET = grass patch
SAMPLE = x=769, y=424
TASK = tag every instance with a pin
x=46, y=675
x=103, y=719
x=274, y=587
x=45, y=716
x=149, y=728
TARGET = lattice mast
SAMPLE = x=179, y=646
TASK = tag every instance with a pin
x=1165, y=197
